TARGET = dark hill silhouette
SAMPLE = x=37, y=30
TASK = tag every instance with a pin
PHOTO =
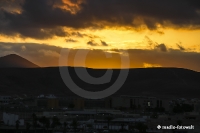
x=162, y=82
x=17, y=61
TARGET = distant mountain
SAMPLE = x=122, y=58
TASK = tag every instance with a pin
x=16, y=61
x=161, y=82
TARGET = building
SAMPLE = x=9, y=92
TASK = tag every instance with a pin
x=66, y=101
x=137, y=102
x=52, y=103
x=49, y=101
x=5, y=99
x=10, y=119
x=79, y=103
x=131, y=102
x=97, y=103
x=118, y=102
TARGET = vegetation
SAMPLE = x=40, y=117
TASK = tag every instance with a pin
x=74, y=124
x=122, y=127
x=47, y=124
x=17, y=125
x=108, y=118
x=141, y=127
x=65, y=127
x=34, y=121
x=28, y=126
x=55, y=122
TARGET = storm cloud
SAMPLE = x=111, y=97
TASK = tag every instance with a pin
x=43, y=19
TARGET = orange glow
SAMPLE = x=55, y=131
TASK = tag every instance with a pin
x=116, y=39
x=70, y=6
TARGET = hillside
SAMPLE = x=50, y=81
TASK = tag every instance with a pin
x=165, y=82
x=16, y=61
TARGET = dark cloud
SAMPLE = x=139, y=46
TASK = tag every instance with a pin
x=155, y=46
x=103, y=43
x=71, y=40
x=151, y=43
x=46, y=14
x=78, y=34
x=180, y=47
x=82, y=35
x=11, y=5
x=162, y=47
x=92, y=43
x=160, y=32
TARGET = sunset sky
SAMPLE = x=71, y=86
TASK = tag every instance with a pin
x=155, y=33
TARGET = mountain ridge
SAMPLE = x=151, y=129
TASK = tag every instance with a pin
x=15, y=61
x=161, y=82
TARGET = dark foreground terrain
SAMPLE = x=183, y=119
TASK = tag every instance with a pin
x=163, y=82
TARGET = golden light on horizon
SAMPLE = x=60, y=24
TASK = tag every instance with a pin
x=117, y=39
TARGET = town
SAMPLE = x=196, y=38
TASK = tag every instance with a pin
x=124, y=113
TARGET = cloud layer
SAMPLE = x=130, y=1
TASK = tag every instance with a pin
x=45, y=18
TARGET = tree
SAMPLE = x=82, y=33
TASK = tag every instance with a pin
x=55, y=122
x=47, y=124
x=65, y=127
x=43, y=120
x=141, y=127
x=122, y=127
x=108, y=118
x=74, y=124
x=34, y=121
x=187, y=108
x=17, y=125
x=28, y=126
x=131, y=127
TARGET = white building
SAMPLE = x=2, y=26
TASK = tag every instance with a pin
x=41, y=96
x=5, y=99
x=10, y=119
x=47, y=96
x=50, y=96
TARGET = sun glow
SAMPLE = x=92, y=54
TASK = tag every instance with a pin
x=117, y=39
